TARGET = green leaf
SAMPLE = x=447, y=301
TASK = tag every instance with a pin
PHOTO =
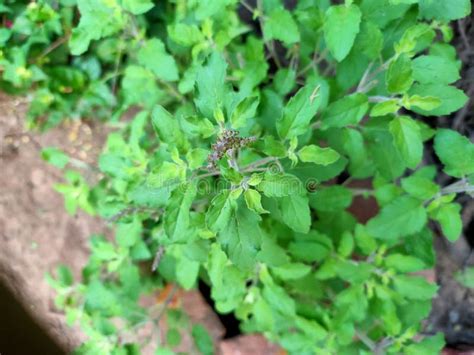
x=127, y=234
x=341, y=25
x=220, y=210
x=139, y=86
x=167, y=127
x=284, y=80
x=369, y=41
x=173, y=337
x=466, y=277
x=381, y=147
x=244, y=110
x=452, y=99
x=414, y=287
x=384, y=108
x=280, y=185
x=455, y=151
x=185, y=34
x=64, y=276
x=407, y=139
x=276, y=296
x=399, y=75
x=299, y=111
x=444, y=10
x=420, y=187
x=404, y=263
x=364, y=241
x=295, y=212
x=291, y=271
x=332, y=198
x=271, y=253
x=279, y=24
x=210, y=81
x=429, y=69
x=321, y=156
x=196, y=157
x=99, y=298
x=309, y=251
x=346, y=245
x=427, y=346
x=253, y=200
x=346, y=111
x=202, y=339
x=176, y=219
x=186, y=270
x=99, y=18
x=152, y=55
x=55, y=157
x=426, y=103
x=137, y=7
x=403, y=216
x=241, y=237
x=449, y=217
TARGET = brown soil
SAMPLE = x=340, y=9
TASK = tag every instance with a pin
x=36, y=234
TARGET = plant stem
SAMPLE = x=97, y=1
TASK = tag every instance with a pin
x=379, y=98
x=366, y=340
x=270, y=45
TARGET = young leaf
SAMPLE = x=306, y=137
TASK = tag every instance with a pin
x=244, y=110
x=407, y=139
x=449, y=217
x=55, y=157
x=298, y=113
x=455, y=151
x=452, y=99
x=384, y=108
x=399, y=75
x=346, y=111
x=253, y=200
x=314, y=154
x=403, y=216
x=341, y=26
x=426, y=103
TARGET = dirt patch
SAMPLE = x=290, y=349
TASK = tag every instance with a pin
x=36, y=234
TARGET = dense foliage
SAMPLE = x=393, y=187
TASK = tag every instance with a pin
x=238, y=168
